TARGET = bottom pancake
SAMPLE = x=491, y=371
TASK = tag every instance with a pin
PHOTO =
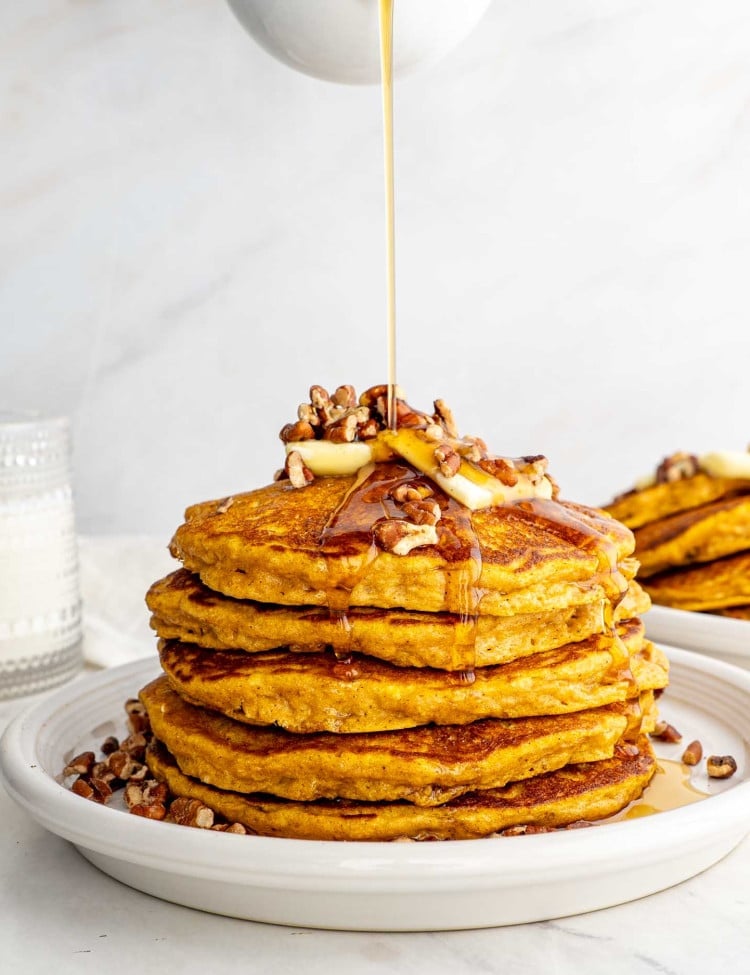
x=589, y=791
x=427, y=766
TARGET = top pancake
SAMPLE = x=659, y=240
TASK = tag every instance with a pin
x=275, y=545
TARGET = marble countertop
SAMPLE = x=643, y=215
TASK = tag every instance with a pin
x=56, y=910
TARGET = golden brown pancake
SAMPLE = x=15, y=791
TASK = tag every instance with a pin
x=427, y=765
x=286, y=546
x=314, y=692
x=186, y=610
x=638, y=508
x=736, y=612
x=588, y=791
x=722, y=584
x=699, y=535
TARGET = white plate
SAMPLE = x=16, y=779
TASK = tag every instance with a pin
x=718, y=636
x=388, y=886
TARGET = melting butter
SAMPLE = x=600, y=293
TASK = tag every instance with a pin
x=470, y=486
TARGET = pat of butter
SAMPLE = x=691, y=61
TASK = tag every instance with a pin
x=471, y=486
x=726, y=463
x=327, y=459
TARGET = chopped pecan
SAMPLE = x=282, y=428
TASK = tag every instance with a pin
x=294, y=432
x=149, y=810
x=405, y=492
x=434, y=432
x=135, y=745
x=721, y=766
x=306, y=413
x=400, y=537
x=666, y=732
x=82, y=787
x=345, y=396
x=693, y=753
x=298, y=474
x=448, y=460
x=422, y=512
x=230, y=828
x=676, y=467
x=369, y=429
x=501, y=469
x=445, y=416
x=109, y=745
x=319, y=397
x=80, y=765
x=121, y=764
x=343, y=430
x=133, y=795
x=191, y=812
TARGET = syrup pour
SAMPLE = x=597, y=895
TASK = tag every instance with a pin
x=386, y=85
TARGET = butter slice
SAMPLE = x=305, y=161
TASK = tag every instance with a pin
x=471, y=486
x=726, y=463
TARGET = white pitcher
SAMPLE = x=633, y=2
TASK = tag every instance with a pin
x=338, y=39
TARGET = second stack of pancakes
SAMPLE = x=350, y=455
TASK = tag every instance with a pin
x=691, y=521
x=324, y=680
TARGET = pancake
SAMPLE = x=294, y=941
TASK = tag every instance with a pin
x=589, y=791
x=314, y=692
x=314, y=546
x=186, y=610
x=427, y=765
x=722, y=584
x=699, y=535
x=641, y=507
x=736, y=612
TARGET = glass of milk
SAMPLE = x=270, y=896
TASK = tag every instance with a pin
x=40, y=603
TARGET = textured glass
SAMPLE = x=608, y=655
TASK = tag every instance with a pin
x=40, y=606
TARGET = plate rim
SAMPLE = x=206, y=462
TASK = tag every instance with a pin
x=325, y=864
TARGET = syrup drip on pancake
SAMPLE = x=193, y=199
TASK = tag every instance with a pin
x=564, y=523
x=349, y=544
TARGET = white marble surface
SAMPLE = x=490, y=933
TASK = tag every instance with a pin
x=58, y=913
x=191, y=234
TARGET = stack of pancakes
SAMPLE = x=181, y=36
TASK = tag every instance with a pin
x=692, y=530
x=319, y=685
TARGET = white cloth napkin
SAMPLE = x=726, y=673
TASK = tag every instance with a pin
x=116, y=571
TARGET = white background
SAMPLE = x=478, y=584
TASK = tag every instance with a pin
x=191, y=234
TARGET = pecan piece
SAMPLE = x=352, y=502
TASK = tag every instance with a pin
x=294, y=432
x=676, y=467
x=721, y=766
x=445, y=415
x=400, y=537
x=345, y=396
x=693, y=753
x=109, y=745
x=448, y=460
x=666, y=732
x=149, y=810
x=80, y=765
x=319, y=397
x=298, y=474
x=499, y=468
x=422, y=512
x=191, y=812
x=343, y=430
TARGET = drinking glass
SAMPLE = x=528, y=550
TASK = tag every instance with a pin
x=40, y=603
